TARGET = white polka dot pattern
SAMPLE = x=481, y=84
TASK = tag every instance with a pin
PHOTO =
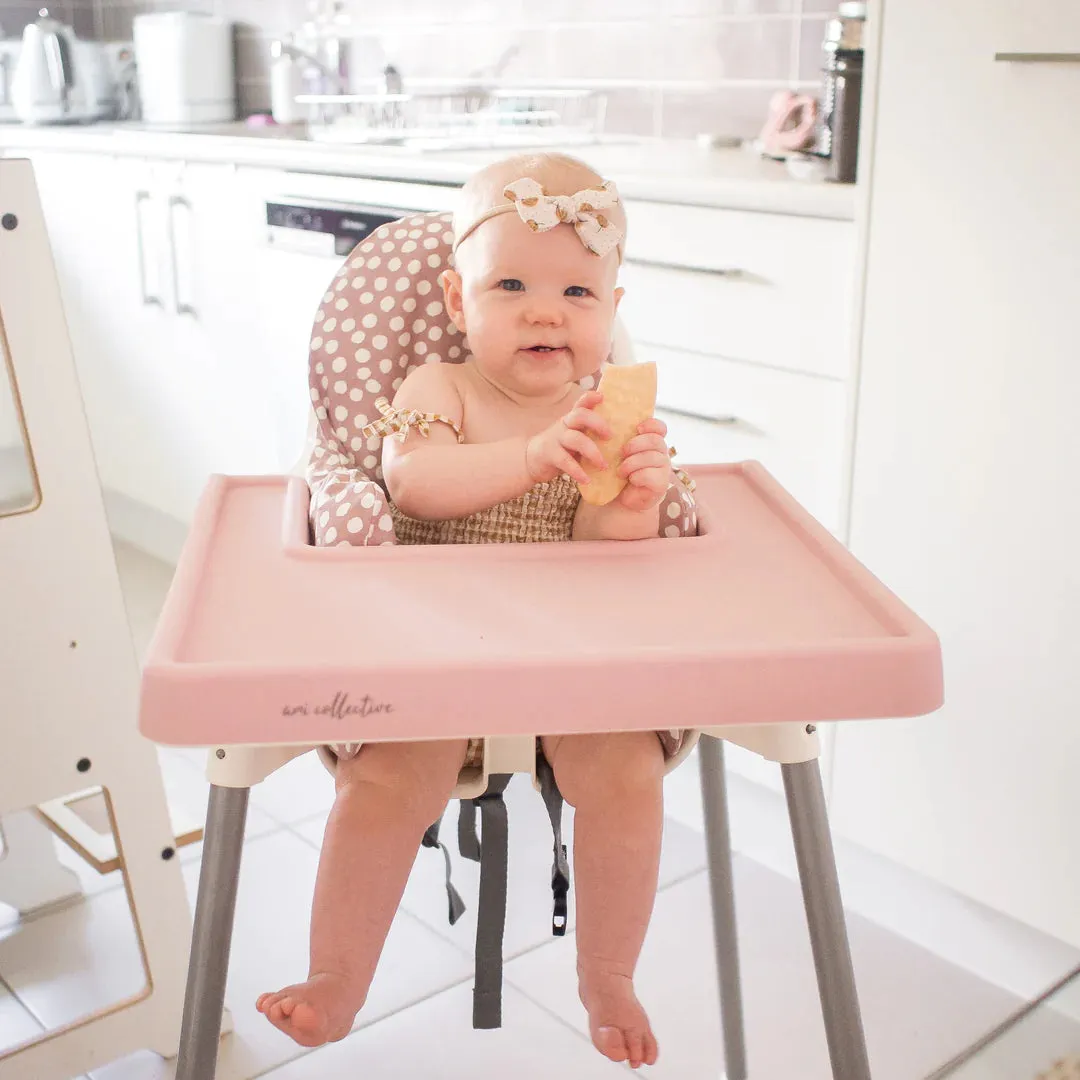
x=382, y=316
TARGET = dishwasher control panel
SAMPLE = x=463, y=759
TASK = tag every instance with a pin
x=324, y=228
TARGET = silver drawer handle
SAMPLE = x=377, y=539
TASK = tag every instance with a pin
x=717, y=271
x=147, y=297
x=181, y=307
x=1037, y=58
x=726, y=421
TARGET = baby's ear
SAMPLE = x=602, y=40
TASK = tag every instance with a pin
x=451, y=286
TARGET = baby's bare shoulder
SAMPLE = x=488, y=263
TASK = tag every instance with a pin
x=431, y=388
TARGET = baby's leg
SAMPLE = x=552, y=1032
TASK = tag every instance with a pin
x=615, y=783
x=387, y=797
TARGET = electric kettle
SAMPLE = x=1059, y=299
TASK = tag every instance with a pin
x=59, y=79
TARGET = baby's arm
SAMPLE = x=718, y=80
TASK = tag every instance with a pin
x=643, y=508
x=613, y=522
x=436, y=477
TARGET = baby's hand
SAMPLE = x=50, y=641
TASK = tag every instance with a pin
x=646, y=465
x=559, y=448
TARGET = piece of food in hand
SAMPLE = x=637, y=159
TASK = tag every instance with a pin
x=629, y=400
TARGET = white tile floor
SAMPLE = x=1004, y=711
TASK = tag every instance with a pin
x=918, y=1009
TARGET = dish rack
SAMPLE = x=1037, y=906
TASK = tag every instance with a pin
x=467, y=117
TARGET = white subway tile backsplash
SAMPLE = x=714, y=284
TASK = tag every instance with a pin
x=734, y=110
x=269, y=16
x=633, y=112
x=116, y=22
x=731, y=49
x=810, y=54
x=614, y=50
x=15, y=14
x=676, y=67
x=714, y=8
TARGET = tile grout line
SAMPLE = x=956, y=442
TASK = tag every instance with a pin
x=25, y=1006
x=5, y=985
x=548, y=1011
x=796, y=41
x=436, y=29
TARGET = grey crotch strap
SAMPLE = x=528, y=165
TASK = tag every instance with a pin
x=457, y=905
x=467, y=839
x=491, y=909
x=560, y=869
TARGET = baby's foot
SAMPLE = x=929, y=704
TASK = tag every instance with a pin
x=318, y=1011
x=618, y=1025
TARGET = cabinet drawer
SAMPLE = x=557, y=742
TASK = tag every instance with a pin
x=767, y=288
x=795, y=425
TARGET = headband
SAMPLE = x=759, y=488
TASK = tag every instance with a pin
x=540, y=211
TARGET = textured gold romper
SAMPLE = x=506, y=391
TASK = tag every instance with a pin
x=543, y=514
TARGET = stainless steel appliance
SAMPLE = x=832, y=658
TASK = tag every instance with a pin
x=323, y=227
x=59, y=79
x=838, y=139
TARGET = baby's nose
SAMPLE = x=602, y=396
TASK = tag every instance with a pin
x=546, y=312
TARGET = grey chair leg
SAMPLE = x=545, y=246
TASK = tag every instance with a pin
x=722, y=888
x=204, y=1000
x=825, y=918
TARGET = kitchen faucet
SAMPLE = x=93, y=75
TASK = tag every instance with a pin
x=333, y=71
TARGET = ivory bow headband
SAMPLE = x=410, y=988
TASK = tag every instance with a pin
x=540, y=211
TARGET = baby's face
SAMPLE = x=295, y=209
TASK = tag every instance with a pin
x=538, y=307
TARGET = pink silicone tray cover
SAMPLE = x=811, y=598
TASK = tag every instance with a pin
x=764, y=617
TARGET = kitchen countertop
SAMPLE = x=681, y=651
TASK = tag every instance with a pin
x=661, y=170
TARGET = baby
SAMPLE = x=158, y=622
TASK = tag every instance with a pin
x=491, y=451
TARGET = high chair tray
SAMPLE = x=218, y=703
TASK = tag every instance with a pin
x=764, y=617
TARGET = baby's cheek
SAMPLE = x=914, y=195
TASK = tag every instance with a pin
x=598, y=335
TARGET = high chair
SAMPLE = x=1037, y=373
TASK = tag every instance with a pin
x=774, y=629
x=70, y=674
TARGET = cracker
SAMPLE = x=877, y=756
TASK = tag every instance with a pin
x=629, y=399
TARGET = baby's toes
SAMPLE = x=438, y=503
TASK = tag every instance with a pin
x=281, y=1009
x=308, y=1024
x=610, y=1043
x=635, y=1051
x=652, y=1051
x=264, y=1001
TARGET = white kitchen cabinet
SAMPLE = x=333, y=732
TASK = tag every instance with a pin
x=213, y=392
x=95, y=219
x=718, y=410
x=967, y=453
x=771, y=289
x=190, y=331
x=215, y=245
x=748, y=316
x=156, y=261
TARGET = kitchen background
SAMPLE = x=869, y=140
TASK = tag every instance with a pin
x=779, y=311
x=699, y=66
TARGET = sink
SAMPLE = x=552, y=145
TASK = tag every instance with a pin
x=470, y=118
x=434, y=139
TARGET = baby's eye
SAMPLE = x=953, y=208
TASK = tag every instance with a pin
x=511, y=284
x=577, y=290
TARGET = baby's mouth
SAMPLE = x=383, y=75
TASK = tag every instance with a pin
x=542, y=349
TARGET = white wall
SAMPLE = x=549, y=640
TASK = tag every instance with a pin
x=967, y=454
